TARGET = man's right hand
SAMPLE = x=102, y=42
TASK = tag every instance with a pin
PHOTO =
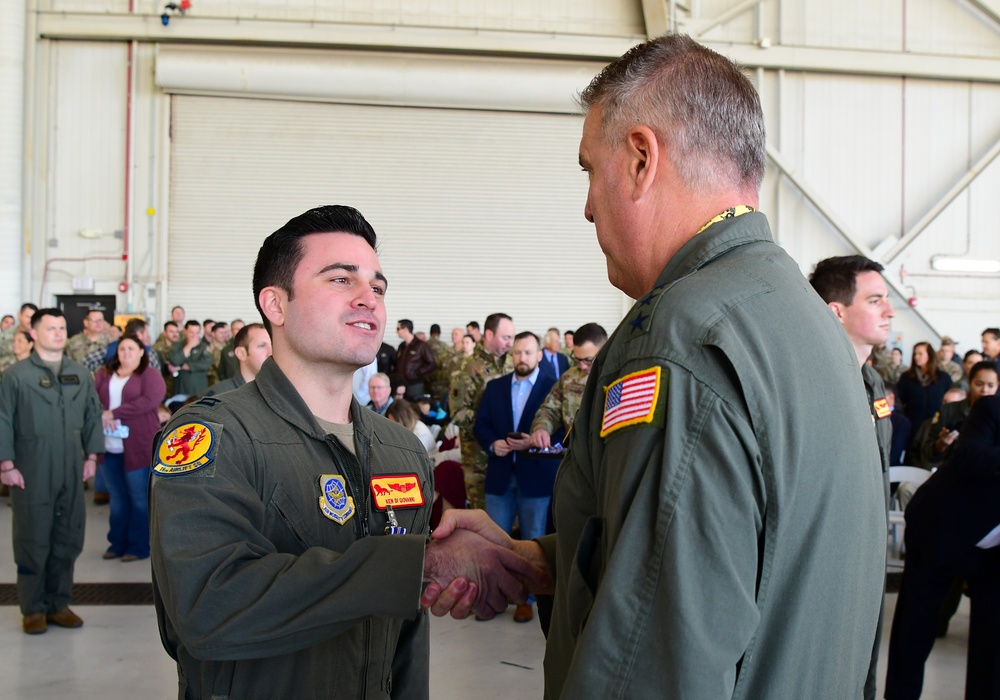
x=10, y=475
x=463, y=594
x=541, y=439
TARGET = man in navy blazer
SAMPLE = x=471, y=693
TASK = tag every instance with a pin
x=953, y=529
x=515, y=483
x=552, y=361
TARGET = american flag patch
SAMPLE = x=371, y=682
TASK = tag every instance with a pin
x=631, y=400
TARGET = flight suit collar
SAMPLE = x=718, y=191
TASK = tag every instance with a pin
x=282, y=397
x=717, y=239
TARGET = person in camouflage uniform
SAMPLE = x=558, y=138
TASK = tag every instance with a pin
x=7, y=357
x=170, y=335
x=439, y=379
x=94, y=336
x=559, y=408
x=488, y=361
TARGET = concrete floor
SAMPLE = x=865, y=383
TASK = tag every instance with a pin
x=117, y=654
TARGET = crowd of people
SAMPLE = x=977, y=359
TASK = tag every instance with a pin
x=711, y=533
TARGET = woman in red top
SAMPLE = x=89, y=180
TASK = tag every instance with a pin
x=130, y=393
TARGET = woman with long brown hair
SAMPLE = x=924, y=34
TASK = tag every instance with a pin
x=921, y=388
x=130, y=393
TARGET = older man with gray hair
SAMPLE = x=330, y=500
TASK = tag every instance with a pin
x=720, y=534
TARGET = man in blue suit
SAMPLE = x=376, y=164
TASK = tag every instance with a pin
x=516, y=484
x=552, y=361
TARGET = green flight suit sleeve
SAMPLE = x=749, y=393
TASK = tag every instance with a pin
x=93, y=430
x=229, y=591
x=685, y=515
x=8, y=400
x=201, y=359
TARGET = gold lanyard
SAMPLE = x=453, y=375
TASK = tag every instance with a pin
x=730, y=213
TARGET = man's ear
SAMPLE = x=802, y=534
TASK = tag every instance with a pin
x=838, y=310
x=644, y=159
x=241, y=353
x=272, y=302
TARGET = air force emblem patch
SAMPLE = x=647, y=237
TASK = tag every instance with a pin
x=187, y=448
x=335, y=503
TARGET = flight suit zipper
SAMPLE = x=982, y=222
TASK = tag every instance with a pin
x=345, y=462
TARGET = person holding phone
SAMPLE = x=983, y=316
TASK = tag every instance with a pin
x=129, y=396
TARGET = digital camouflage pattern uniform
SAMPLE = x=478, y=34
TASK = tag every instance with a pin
x=438, y=380
x=468, y=383
x=162, y=349
x=7, y=348
x=560, y=406
x=79, y=346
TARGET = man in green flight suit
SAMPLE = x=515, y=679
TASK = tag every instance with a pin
x=191, y=357
x=488, y=361
x=853, y=288
x=50, y=435
x=289, y=524
x=719, y=531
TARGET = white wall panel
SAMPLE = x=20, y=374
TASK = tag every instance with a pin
x=604, y=17
x=950, y=27
x=85, y=168
x=476, y=211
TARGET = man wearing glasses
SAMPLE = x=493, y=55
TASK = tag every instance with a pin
x=563, y=401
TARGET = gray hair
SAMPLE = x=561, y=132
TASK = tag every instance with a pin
x=380, y=375
x=697, y=102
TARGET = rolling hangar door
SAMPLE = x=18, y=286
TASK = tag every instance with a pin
x=477, y=210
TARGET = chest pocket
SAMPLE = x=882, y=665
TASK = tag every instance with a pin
x=286, y=526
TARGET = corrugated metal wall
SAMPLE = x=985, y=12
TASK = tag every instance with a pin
x=880, y=151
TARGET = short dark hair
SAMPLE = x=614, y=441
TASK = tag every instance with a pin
x=242, y=339
x=836, y=279
x=985, y=365
x=208, y=322
x=493, y=321
x=527, y=334
x=29, y=305
x=37, y=318
x=405, y=323
x=170, y=323
x=470, y=337
x=177, y=307
x=472, y=324
x=5, y=317
x=114, y=363
x=590, y=333
x=27, y=336
x=281, y=252
x=192, y=322
x=134, y=325
x=973, y=351
x=435, y=329
x=220, y=324
x=995, y=332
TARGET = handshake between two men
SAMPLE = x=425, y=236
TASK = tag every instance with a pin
x=473, y=566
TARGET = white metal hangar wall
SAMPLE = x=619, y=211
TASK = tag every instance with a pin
x=883, y=130
x=477, y=209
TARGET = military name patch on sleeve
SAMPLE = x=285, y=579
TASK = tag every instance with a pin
x=881, y=407
x=631, y=400
x=397, y=491
x=335, y=503
x=187, y=448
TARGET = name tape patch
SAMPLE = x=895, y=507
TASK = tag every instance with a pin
x=631, y=400
x=397, y=491
x=185, y=449
x=881, y=407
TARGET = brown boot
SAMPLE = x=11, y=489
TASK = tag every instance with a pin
x=65, y=618
x=34, y=623
x=524, y=613
x=101, y=498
